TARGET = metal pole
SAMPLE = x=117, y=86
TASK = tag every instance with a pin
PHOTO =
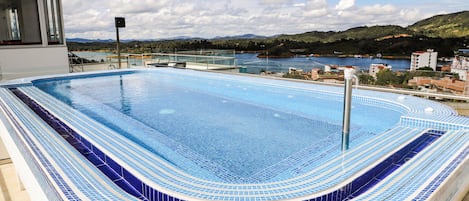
x=118, y=49
x=348, y=76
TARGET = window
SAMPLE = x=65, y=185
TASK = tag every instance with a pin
x=54, y=24
x=19, y=22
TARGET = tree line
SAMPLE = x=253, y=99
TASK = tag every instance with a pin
x=403, y=46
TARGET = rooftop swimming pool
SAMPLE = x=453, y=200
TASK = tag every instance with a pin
x=172, y=134
x=237, y=128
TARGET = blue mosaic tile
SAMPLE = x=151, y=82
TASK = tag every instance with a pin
x=128, y=188
x=64, y=187
x=379, y=172
x=110, y=173
x=112, y=169
x=430, y=188
x=135, y=182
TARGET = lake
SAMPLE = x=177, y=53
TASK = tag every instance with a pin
x=255, y=65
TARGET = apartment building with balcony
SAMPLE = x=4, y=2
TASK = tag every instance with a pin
x=422, y=59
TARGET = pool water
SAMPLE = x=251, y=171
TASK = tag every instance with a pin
x=214, y=126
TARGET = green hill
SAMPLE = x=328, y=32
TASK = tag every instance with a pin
x=453, y=25
x=356, y=33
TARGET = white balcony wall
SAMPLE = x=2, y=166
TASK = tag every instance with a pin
x=25, y=62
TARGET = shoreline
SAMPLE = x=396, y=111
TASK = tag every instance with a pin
x=332, y=55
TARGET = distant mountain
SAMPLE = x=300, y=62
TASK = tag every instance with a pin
x=453, y=25
x=245, y=36
x=180, y=38
x=83, y=40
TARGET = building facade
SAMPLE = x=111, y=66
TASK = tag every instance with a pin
x=375, y=68
x=32, y=39
x=460, y=64
x=422, y=59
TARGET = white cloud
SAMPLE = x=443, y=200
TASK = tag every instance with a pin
x=316, y=8
x=345, y=4
x=299, y=4
x=378, y=9
x=152, y=19
x=136, y=7
x=275, y=1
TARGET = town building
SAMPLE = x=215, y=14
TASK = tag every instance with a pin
x=294, y=70
x=337, y=68
x=445, y=84
x=422, y=59
x=375, y=68
x=31, y=39
x=460, y=64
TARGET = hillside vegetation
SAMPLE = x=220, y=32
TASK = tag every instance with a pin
x=364, y=32
x=444, y=26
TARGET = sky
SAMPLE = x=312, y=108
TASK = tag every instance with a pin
x=164, y=19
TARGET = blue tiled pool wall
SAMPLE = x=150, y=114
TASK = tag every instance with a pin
x=334, y=93
x=83, y=76
x=134, y=186
x=428, y=123
x=36, y=167
x=312, y=157
x=327, y=93
x=115, y=172
x=383, y=169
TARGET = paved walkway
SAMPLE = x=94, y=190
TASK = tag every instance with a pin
x=10, y=187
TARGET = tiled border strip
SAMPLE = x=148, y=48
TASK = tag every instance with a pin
x=33, y=153
x=428, y=123
x=134, y=186
x=382, y=170
x=115, y=172
x=412, y=177
x=438, y=180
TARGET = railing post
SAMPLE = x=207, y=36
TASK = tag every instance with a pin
x=348, y=76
